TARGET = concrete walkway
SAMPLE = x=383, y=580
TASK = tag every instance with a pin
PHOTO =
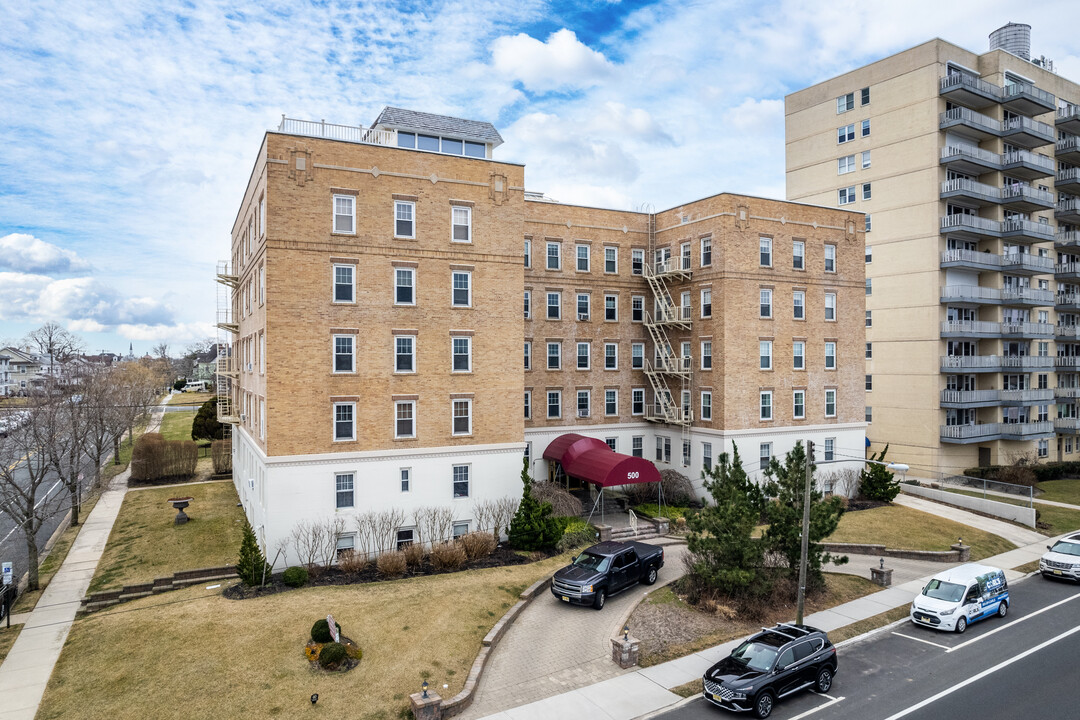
x=633, y=694
x=28, y=665
x=1015, y=534
x=1013, y=496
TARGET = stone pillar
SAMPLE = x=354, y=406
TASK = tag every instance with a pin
x=881, y=575
x=963, y=552
x=663, y=526
x=624, y=652
x=603, y=532
x=426, y=708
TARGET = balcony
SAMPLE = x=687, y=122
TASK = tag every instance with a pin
x=970, y=160
x=330, y=131
x=964, y=434
x=1067, y=363
x=961, y=399
x=1066, y=393
x=1024, y=198
x=1068, y=180
x=968, y=122
x=1068, y=119
x=970, y=260
x=1032, y=330
x=1067, y=239
x=970, y=226
x=1022, y=263
x=1067, y=332
x=1026, y=99
x=969, y=90
x=1025, y=132
x=994, y=363
x=1067, y=301
x=1027, y=165
x=1068, y=149
x=989, y=329
x=1068, y=211
x=1028, y=396
x=1067, y=271
x=1067, y=426
x=978, y=193
x=1026, y=231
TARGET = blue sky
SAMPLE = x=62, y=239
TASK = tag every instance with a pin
x=130, y=127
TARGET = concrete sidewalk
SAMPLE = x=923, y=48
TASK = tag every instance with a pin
x=639, y=692
x=1015, y=534
x=28, y=665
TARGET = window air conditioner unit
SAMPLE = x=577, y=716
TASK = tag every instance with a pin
x=243, y=417
x=583, y=413
x=582, y=316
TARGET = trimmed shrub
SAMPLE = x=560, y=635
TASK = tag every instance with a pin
x=562, y=502
x=320, y=631
x=448, y=556
x=478, y=544
x=533, y=527
x=332, y=655
x=179, y=384
x=414, y=554
x=576, y=534
x=154, y=458
x=205, y=426
x=295, y=577
x=352, y=562
x=391, y=564
x=221, y=455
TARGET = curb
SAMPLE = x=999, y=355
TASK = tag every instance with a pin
x=668, y=708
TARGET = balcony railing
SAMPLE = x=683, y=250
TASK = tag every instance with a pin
x=1067, y=176
x=1067, y=332
x=972, y=223
x=1030, y=158
x=1068, y=117
x=995, y=362
x=1006, y=295
x=970, y=327
x=1033, y=127
x=1027, y=329
x=1067, y=392
x=1027, y=261
x=975, y=153
x=1019, y=191
x=331, y=131
x=970, y=117
x=1066, y=238
x=957, y=81
x=1068, y=144
x=1068, y=362
x=1068, y=268
x=1067, y=424
x=1028, y=395
x=1028, y=228
x=1017, y=90
x=1067, y=298
x=969, y=397
x=1027, y=295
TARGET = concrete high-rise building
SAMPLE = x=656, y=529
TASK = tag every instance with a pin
x=404, y=321
x=967, y=166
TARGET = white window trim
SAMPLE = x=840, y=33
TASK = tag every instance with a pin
x=407, y=479
x=547, y=355
x=547, y=404
x=453, y=418
x=794, y=355
x=703, y=303
x=632, y=391
x=761, y=405
x=412, y=275
x=333, y=422
x=528, y=404
x=611, y=414
x=352, y=214
x=333, y=354
x=705, y=241
x=334, y=284
x=606, y=346
x=828, y=307
x=768, y=355
x=577, y=258
x=794, y=412
x=704, y=405
x=548, y=305
x=412, y=222
x=468, y=473
x=577, y=355
x=468, y=215
x=607, y=297
x=411, y=403
x=706, y=355
x=547, y=256
x=352, y=479
x=827, y=414
x=412, y=355
x=468, y=339
x=616, y=251
x=453, y=273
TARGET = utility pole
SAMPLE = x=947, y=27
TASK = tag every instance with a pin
x=805, y=534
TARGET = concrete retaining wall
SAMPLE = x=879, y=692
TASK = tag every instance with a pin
x=1006, y=511
x=182, y=579
x=945, y=556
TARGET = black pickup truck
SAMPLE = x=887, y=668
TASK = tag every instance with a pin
x=604, y=570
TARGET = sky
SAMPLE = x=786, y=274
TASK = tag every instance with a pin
x=130, y=127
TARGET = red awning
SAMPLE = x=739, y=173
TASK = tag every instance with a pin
x=593, y=461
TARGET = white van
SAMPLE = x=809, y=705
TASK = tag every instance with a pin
x=954, y=599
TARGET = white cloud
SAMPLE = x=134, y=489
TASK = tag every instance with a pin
x=27, y=254
x=84, y=300
x=560, y=63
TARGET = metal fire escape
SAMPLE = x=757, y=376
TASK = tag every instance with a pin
x=667, y=371
x=227, y=371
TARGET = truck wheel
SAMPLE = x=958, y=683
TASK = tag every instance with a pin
x=650, y=577
x=1003, y=608
x=598, y=601
x=763, y=706
x=961, y=626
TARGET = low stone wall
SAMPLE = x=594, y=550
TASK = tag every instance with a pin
x=1006, y=511
x=182, y=579
x=945, y=556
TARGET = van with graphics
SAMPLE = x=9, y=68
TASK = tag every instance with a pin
x=954, y=599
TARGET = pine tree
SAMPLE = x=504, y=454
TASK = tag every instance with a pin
x=723, y=553
x=877, y=482
x=784, y=512
x=251, y=566
x=205, y=426
x=533, y=527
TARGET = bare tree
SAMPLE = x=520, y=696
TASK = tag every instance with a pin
x=67, y=417
x=387, y=523
x=366, y=534
x=844, y=482
x=484, y=511
x=424, y=519
x=308, y=539
x=25, y=471
x=332, y=528
x=161, y=350
x=505, y=508
x=56, y=342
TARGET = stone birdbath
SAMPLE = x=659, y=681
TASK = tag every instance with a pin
x=180, y=504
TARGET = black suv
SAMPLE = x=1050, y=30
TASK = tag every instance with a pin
x=774, y=663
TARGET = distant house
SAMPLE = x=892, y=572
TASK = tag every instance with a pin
x=5, y=375
x=205, y=365
x=26, y=369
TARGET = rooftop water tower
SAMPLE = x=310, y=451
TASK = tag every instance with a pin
x=1013, y=38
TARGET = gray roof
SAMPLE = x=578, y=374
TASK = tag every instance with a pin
x=400, y=119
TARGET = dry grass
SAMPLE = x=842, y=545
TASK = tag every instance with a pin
x=145, y=544
x=189, y=655
x=871, y=623
x=48, y=567
x=905, y=528
x=192, y=399
x=705, y=630
x=8, y=635
x=1029, y=567
x=694, y=687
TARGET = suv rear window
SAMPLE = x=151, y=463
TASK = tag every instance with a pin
x=803, y=650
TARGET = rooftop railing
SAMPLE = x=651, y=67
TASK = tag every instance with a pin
x=332, y=131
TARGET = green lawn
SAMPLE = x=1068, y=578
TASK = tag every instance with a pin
x=1066, y=491
x=1052, y=520
x=177, y=425
x=145, y=544
x=903, y=528
x=48, y=567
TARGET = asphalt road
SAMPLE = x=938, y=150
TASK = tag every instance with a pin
x=1025, y=665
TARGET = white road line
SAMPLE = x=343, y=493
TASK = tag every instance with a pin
x=984, y=673
x=943, y=647
x=1014, y=622
x=37, y=505
x=811, y=711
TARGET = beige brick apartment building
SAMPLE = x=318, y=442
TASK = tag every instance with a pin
x=391, y=348
x=966, y=166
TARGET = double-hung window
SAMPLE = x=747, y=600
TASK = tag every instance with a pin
x=583, y=352
x=637, y=446
x=845, y=165
x=404, y=219
x=554, y=304
x=830, y=258
x=830, y=403
x=528, y=405
x=866, y=128
x=764, y=455
x=344, y=284
x=706, y=456
x=461, y=481
x=706, y=354
x=830, y=448
x=798, y=304
x=637, y=401
x=799, y=404
x=765, y=354
x=344, y=421
x=405, y=419
x=554, y=403
x=845, y=196
x=865, y=95
x=765, y=251
x=765, y=405
x=706, y=251
x=462, y=295
x=461, y=219
x=404, y=353
x=611, y=402
x=637, y=261
x=637, y=308
x=344, y=354
x=554, y=256
x=461, y=349
x=830, y=356
x=345, y=214
x=706, y=302
x=865, y=159
x=554, y=355
x=830, y=307
x=611, y=307
x=404, y=286
x=583, y=303
x=798, y=355
x=611, y=260
x=845, y=133
x=611, y=356
x=798, y=255
x=528, y=305
x=765, y=304
x=528, y=253
x=462, y=417
x=637, y=356
x=706, y=405
x=583, y=402
x=866, y=191
x=528, y=355
x=581, y=252
x=344, y=482
x=845, y=103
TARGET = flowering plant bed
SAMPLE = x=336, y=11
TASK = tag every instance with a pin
x=352, y=656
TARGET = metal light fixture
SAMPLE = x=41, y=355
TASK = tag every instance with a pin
x=314, y=698
x=425, y=687
x=959, y=541
x=882, y=566
x=626, y=632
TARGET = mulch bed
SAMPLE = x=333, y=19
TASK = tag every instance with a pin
x=502, y=557
x=856, y=505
